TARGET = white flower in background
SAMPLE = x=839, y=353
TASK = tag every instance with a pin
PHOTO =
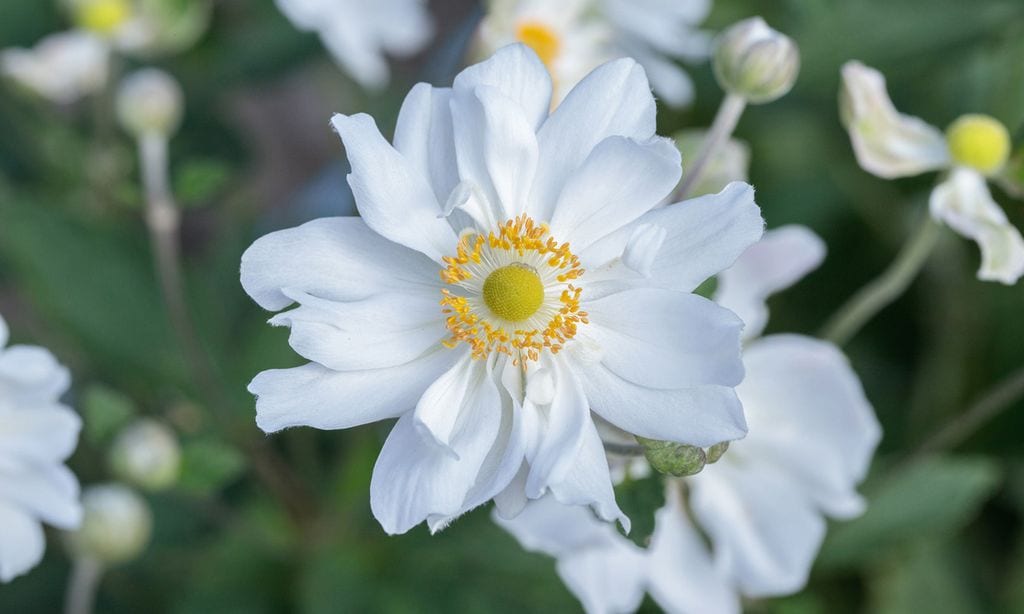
x=37, y=434
x=359, y=34
x=508, y=275
x=62, y=67
x=762, y=504
x=575, y=36
x=890, y=144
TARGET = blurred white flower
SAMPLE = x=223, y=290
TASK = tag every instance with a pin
x=62, y=67
x=509, y=273
x=889, y=144
x=762, y=505
x=37, y=434
x=575, y=36
x=360, y=33
x=116, y=527
x=147, y=454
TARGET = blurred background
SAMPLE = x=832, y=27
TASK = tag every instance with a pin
x=282, y=524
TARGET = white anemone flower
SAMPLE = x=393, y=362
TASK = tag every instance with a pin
x=575, y=36
x=889, y=144
x=360, y=33
x=37, y=434
x=62, y=67
x=763, y=504
x=509, y=274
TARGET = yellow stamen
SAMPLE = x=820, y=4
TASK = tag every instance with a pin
x=102, y=16
x=542, y=39
x=514, y=292
x=980, y=142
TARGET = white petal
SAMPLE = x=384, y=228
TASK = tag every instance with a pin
x=765, y=531
x=31, y=375
x=681, y=574
x=705, y=236
x=589, y=481
x=4, y=332
x=699, y=415
x=667, y=339
x=21, y=542
x=440, y=410
x=39, y=435
x=62, y=67
x=558, y=530
x=424, y=135
x=518, y=73
x=415, y=479
x=613, y=100
x=496, y=148
x=781, y=258
x=49, y=492
x=338, y=259
x=566, y=420
x=382, y=330
x=887, y=143
x=618, y=182
x=808, y=415
x=393, y=198
x=313, y=395
x=609, y=580
x=965, y=204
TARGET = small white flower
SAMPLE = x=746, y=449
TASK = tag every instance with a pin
x=762, y=505
x=360, y=33
x=575, y=36
x=509, y=274
x=62, y=67
x=890, y=144
x=37, y=434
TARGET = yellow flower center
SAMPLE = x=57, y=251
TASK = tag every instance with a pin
x=980, y=142
x=514, y=292
x=511, y=292
x=542, y=39
x=102, y=16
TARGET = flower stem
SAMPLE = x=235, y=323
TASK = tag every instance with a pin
x=885, y=288
x=82, y=585
x=998, y=399
x=623, y=449
x=722, y=127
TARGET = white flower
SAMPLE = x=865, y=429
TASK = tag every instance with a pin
x=762, y=505
x=575, y=36
x=890, y=144
x=62, y=67
x=508, y=275
x=358, y=33
x=37, y=434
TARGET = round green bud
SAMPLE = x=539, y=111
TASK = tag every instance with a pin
x=146, y=454
x=755, y=62
x=116, y=525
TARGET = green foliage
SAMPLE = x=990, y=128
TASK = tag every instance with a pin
x=208, y=465
x=106, y=411
x=639, y=499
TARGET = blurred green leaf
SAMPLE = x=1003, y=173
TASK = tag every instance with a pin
x=928, y=578
x=207, y=465
x=639, y=499
x=198, y=180
x=106, y=411
x=931, y=498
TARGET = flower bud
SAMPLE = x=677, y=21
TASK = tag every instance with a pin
x=675, y=459
x=147, y=455
x=716, y=451
x=116, y=526
x=149, y=102
x=755, y=62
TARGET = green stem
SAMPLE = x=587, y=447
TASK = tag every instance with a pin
x=885, y=288
x=722, y=127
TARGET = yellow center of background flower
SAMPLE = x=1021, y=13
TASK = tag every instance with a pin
x=980, y=142
x=514, y=292
x=542, y=39
x=102, y=16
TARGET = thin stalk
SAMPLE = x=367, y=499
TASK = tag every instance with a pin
x=885, y=288
x=722, y=127
x=997, y=400
x=82, y=586
x=623, y=449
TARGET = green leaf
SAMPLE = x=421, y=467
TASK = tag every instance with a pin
x=928, y=578
x=200, y=179
x=932, y=497
x=106, y=411
x=639, y=499
x=207, y=465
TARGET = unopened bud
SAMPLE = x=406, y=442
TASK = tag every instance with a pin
x=675, y=459
x=150, y=102
x=147, y=455
x=116, y=526
x=755, y=62
x=716, y=451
